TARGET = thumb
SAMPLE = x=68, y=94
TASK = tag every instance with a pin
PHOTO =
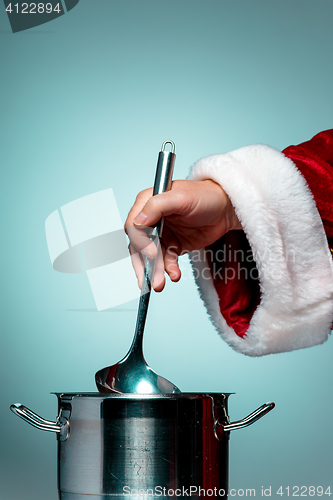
x=158, y=206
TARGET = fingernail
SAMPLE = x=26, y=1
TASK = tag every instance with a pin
x=147, y=253
x=140, y=219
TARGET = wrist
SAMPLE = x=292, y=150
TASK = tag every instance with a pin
x=229, y=219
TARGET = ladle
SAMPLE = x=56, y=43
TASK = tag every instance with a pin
x=132, y=374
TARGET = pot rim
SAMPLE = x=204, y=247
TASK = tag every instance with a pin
x=116, y=395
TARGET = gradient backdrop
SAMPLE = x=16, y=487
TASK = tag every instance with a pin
x=86, y=102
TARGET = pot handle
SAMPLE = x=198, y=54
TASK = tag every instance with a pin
x=250, y=419
x=34, y=419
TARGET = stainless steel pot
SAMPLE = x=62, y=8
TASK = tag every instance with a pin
x=147, y=446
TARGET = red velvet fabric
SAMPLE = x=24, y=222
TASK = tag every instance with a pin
x=233, y=271
x=314, y=159
x=235, y=278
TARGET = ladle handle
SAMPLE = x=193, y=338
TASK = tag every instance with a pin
x=163, y=180
x=162, y=183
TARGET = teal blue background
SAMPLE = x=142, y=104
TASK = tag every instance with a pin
x=86, y=102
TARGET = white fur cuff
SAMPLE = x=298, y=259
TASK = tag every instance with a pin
x=282, y=224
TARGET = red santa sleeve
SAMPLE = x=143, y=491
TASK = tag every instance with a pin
x=269, y=288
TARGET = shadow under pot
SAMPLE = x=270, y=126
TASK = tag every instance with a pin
x=146, y=446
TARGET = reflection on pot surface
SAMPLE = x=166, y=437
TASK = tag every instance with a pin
x=117, y=444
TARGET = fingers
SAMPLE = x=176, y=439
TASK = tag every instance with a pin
x=172, y=250
x=139, y=238
x=171, y=264
x=139, y=203
x=147, y=211
x=137, y=264
x=140, y=241
x=166, y=261
x=158, y=281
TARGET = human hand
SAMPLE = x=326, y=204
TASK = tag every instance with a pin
x=197, y=213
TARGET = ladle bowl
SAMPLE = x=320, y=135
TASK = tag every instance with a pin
x=132, y=374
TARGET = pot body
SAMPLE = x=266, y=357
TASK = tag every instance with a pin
x=141, y=446
x=122, y=445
